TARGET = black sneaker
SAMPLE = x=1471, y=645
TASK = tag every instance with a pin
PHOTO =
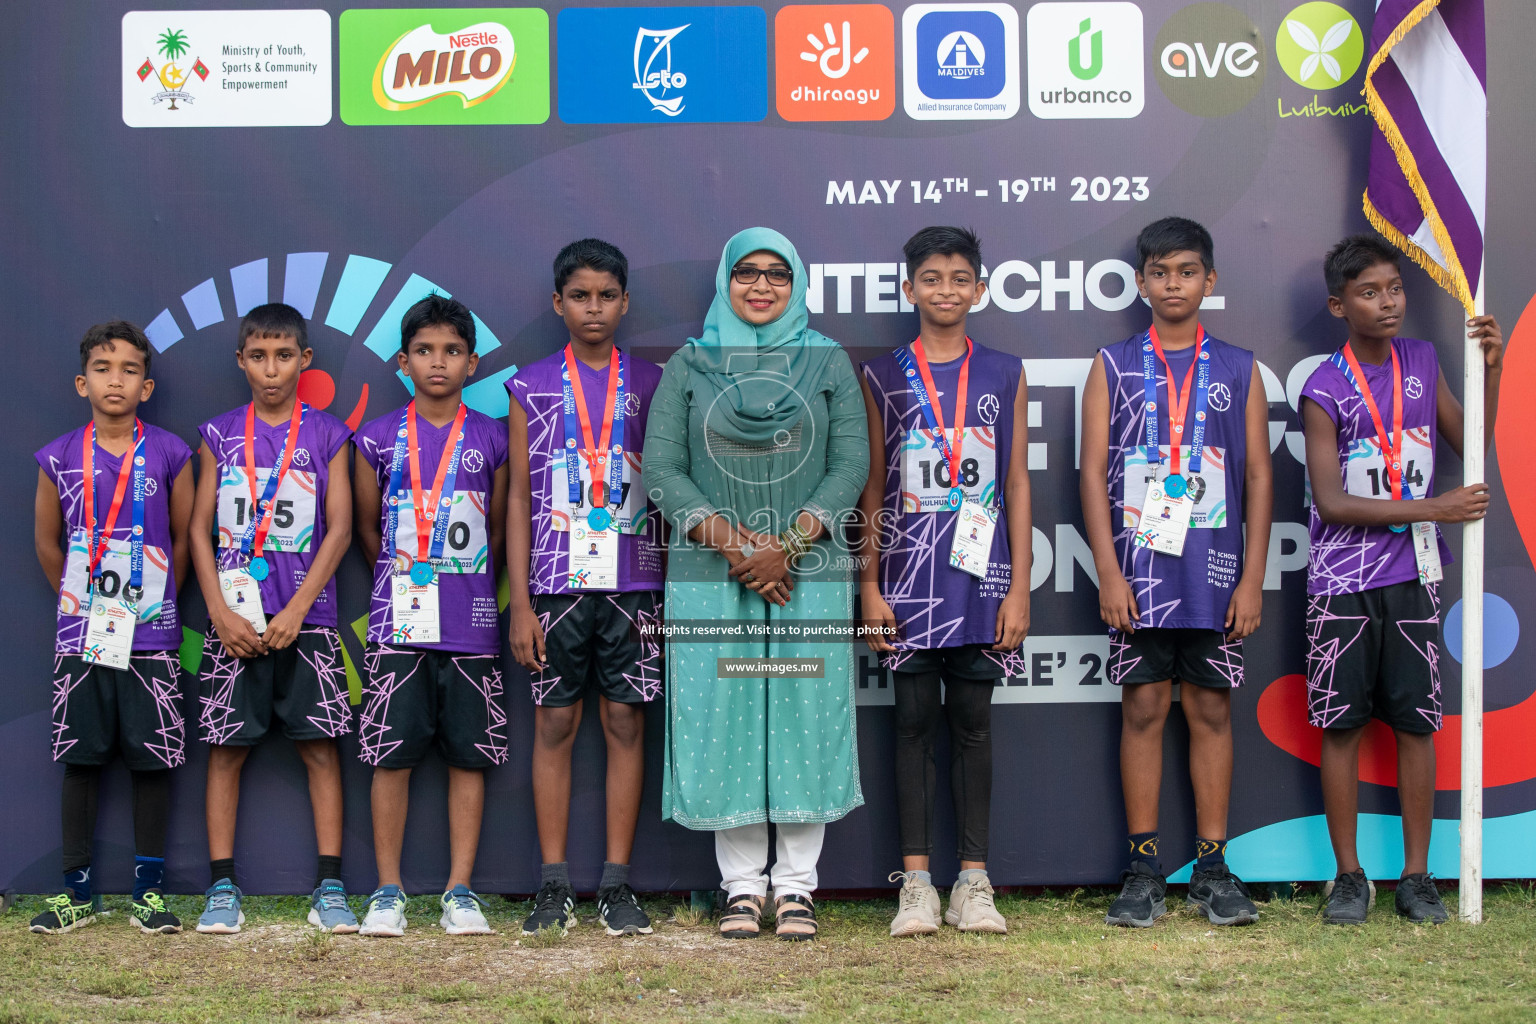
x=65, y=914
x=552, y=908
x=620, y=912
x=1419, y=900
x=1221, y=896
x=149, y=915
x=1141, y=898
x=1350, y=900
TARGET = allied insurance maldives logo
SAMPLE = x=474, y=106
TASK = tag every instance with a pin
x=486, y=65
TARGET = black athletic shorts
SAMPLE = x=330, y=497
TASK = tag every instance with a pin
x=594, y=639
x=100, y=711
x=414, y=699
x=971, y=661
x=1375, y=654
x=1203, y=657
x=304, y=686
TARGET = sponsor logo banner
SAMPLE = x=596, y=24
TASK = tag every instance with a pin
x=835, y=63
x=960, y=61
x=1319, y=45
x=1209, y=59
x=1085, y=60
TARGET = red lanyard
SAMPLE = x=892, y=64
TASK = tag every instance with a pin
x=88, y=467
x=425, y=506
x=938, y=410
x=1178, y=398
x=596, y=455
x=264, y=524
x=1391, y=449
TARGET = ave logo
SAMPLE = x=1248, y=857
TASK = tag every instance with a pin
x=1210, y=59
x=1085, y=60
x=835, y=63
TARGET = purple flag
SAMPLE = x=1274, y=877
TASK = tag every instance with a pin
x=1426, y=86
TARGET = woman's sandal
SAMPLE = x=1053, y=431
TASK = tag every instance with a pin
x=795, y=918
x=742, y=918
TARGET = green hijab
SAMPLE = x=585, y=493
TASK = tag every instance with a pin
x=759, y=377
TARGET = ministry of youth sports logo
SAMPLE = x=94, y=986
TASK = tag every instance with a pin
x=654, y=76
x=1220, y=397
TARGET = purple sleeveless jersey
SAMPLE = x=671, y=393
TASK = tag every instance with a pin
x=1191, y=590
x=935, y=604
x=159, y=627
x=298, y=521
x=537, y=388
x=471, y=623
x=1348, y=559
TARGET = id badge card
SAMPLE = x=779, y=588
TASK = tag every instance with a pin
x=416, y=618
x=1164, y=520
x=242, y=595
x=1426, y=552
x=593, y=556
x=971, y=551
x=109, y=632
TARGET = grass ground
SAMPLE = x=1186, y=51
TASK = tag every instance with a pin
x=1060, y=963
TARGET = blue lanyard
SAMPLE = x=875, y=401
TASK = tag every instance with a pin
x=571, y=418
x=135, y=465
x=441, y=514
x=136, y=540
x=274, y=478
x=1149, y=390
x=925, y=402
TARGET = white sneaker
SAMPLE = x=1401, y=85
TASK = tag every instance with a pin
x=918, y=911
x=971, y=908
x=461, y=913
x=386, y=913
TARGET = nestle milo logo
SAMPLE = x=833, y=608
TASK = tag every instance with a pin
x=423, y=65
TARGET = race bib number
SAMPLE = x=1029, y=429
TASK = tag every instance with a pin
x=416, y=619
x=925, y=482
x=630, y=517
x=1164, y=522
x=1207, y=490
x=109, y=633
x=113, y=569
x=1365, y=468
x=293, y=513
x=466, y=549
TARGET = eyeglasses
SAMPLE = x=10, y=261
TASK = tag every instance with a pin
x=745, y=273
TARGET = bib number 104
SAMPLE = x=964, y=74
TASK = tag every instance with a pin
x=1381, y=485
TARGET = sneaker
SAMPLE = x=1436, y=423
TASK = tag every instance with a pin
x=384, y=914
x=971, y=908
x=222, y=915
x=917, y=912
x=328, y=909
x=461, y=913
x=1419, y=900
x=149, y=915
x=1140, y=902
x=65, y=915
x=1349, y=899
x=620, y=912
x=1221, y=896
x=552, y=908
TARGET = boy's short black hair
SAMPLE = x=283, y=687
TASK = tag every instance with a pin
x=942, y=241
x=593, y=254
x=1174, y=234
x=1352, y=257
x=437, y=311
x=114, y=330
x=274, y=320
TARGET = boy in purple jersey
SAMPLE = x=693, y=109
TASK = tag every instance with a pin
x=1370, y=413
x=271, y=523
x=948, y=430
x=570, y=633
x=431, y=486
x=1175, y=431
x=113, y=501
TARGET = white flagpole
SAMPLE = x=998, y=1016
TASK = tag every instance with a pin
x=1470, y=904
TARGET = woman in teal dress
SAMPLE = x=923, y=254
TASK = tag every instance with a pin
x=755, y=451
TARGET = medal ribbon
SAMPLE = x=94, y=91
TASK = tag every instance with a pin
x=440, y=496
x=1178, y=401
x=1391, y=447
x=608, y=449
x=101, y=533
x=263, y=508
x=924, y=390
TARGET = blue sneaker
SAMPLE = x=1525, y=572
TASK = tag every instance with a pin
x=222, y=915
x=328, y=909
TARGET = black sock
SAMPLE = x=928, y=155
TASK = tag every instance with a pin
x=1144, y=849
x=1210, y=853
x=151, y=812
x=78, y=813
x=330, y=867
x=221, y=869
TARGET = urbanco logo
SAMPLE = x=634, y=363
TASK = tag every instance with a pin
x=961, y=61
x=835, y=62
x=1319, y=45
x=1209, y=59
x=1085, y=60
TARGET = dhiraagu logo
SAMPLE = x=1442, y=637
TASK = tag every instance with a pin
x=445, y=66
x=1319, y=45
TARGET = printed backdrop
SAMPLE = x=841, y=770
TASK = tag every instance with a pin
x=177, y=166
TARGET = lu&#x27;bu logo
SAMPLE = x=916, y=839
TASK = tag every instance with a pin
x=1209, y=59
x=961, y=61
x=662, y=64
x=1085, y=60
x=1319, y=45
